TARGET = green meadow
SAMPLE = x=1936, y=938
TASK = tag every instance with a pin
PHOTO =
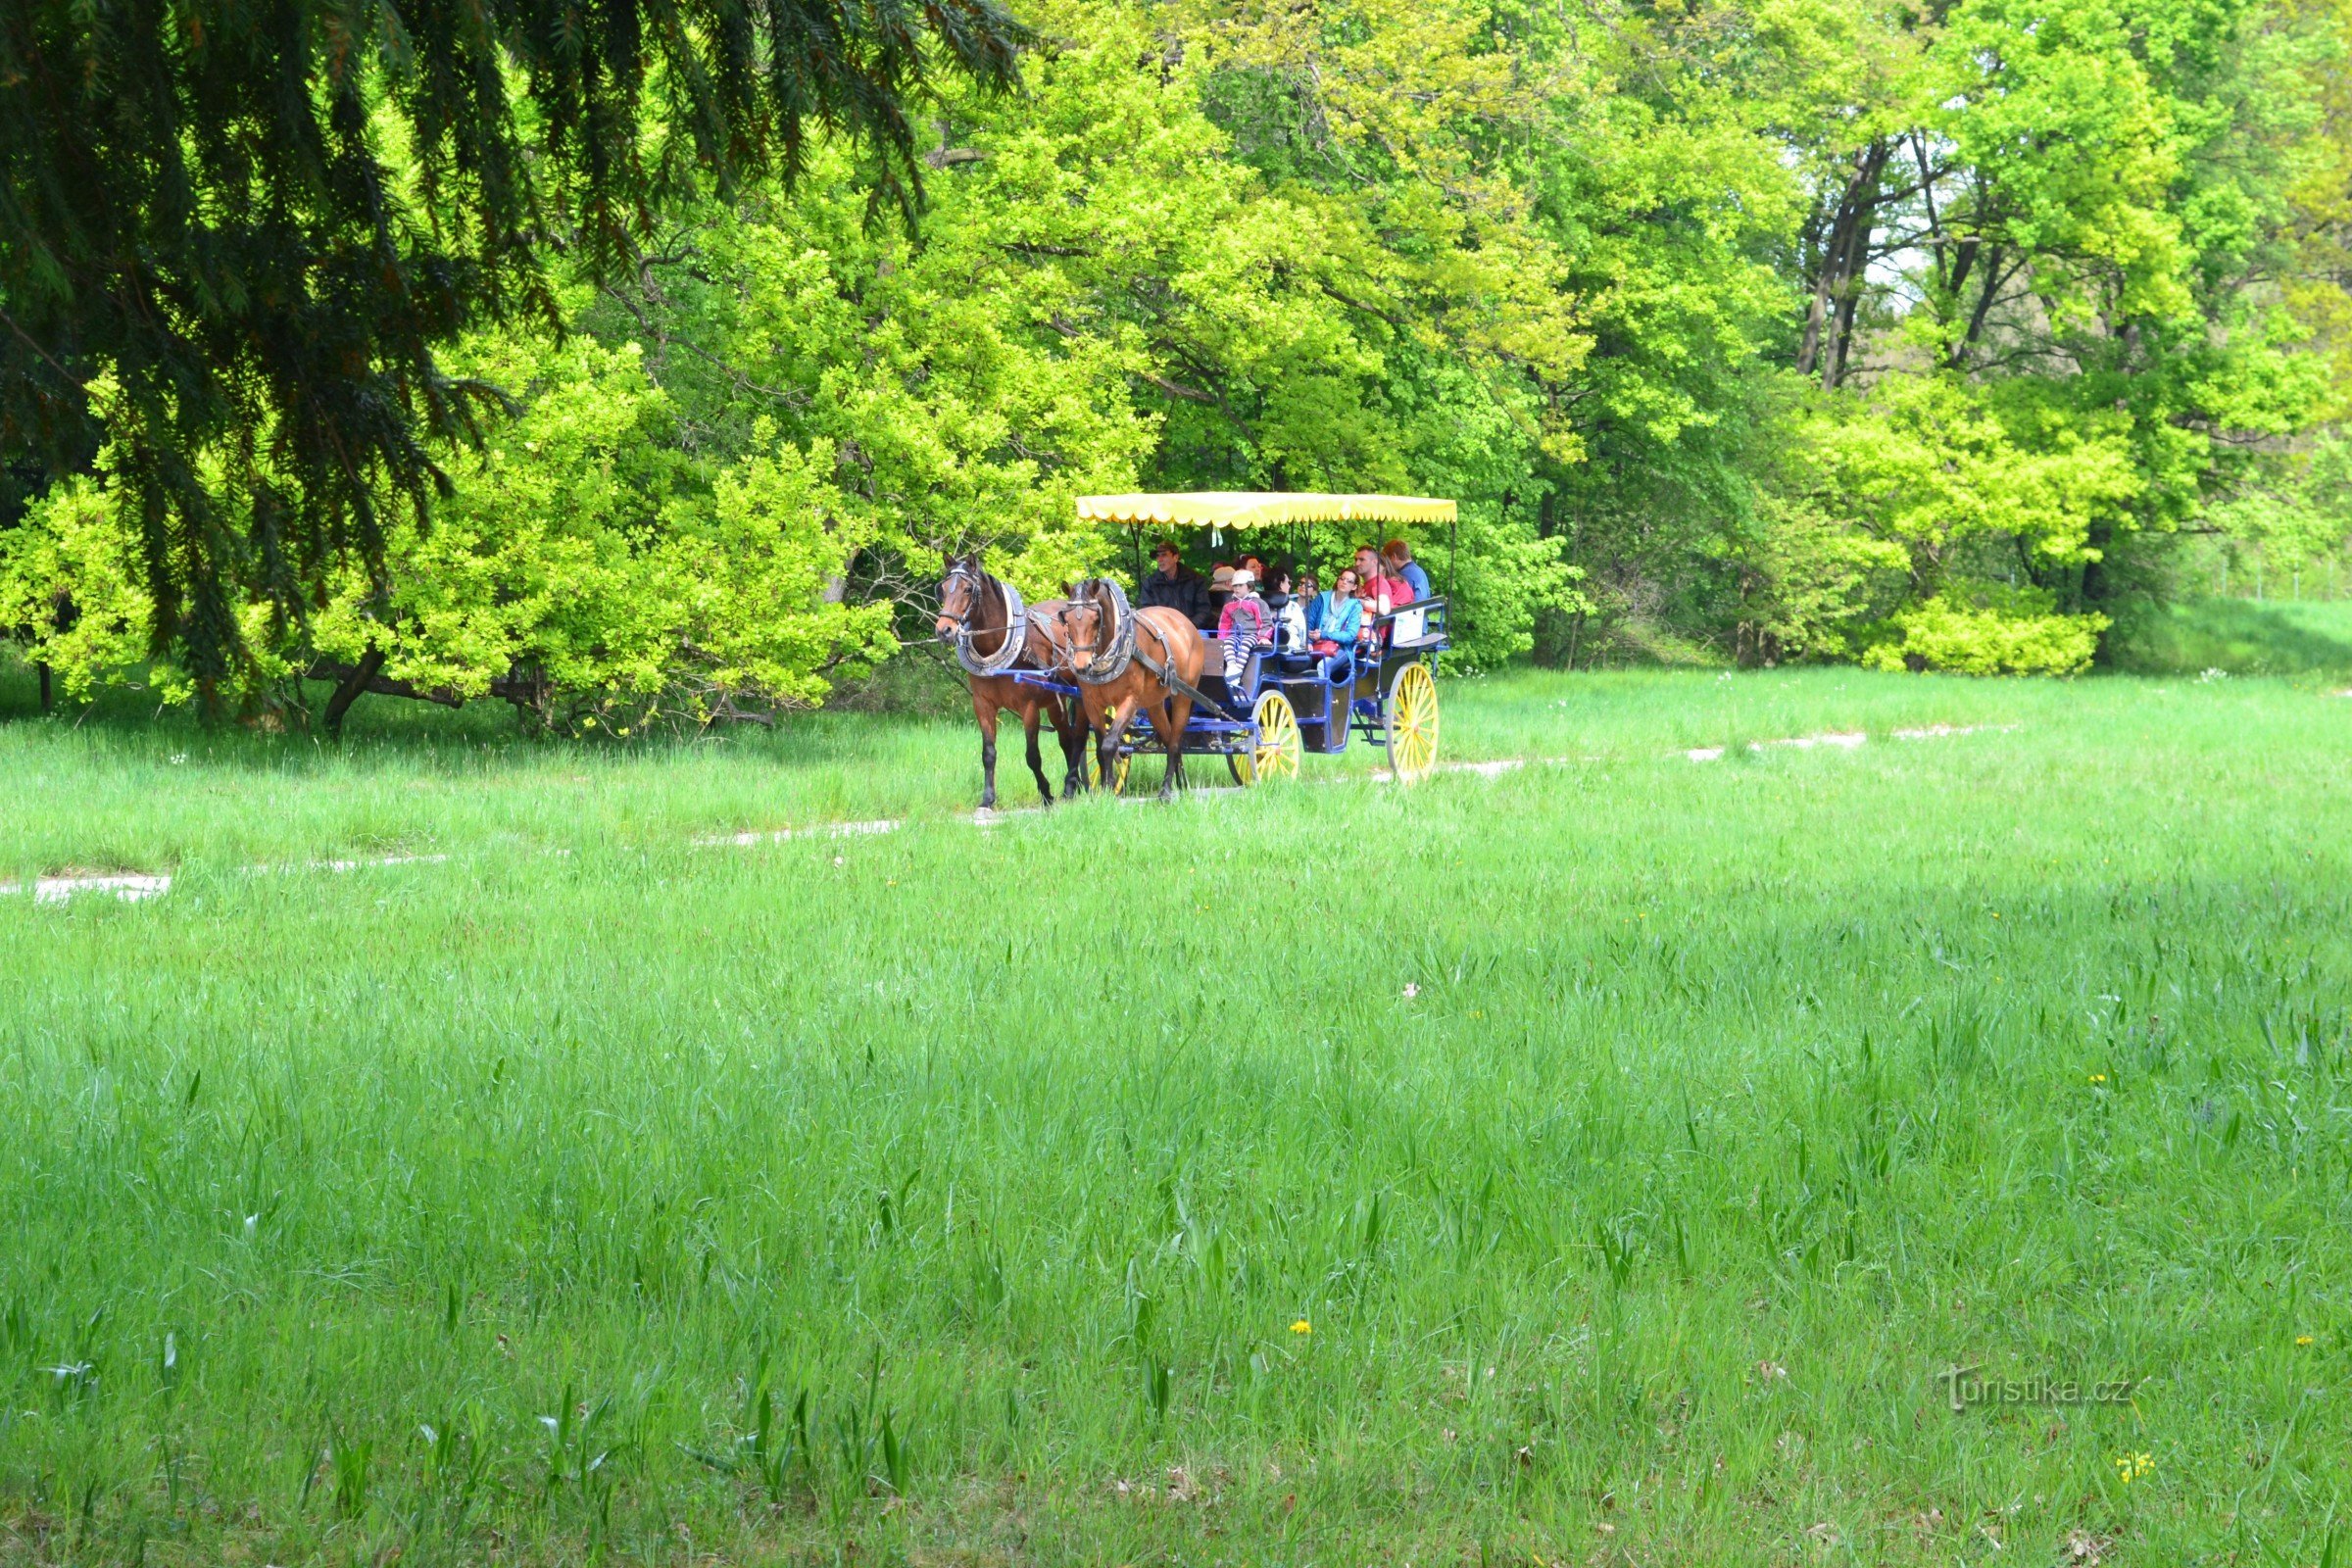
x=1930, y=1148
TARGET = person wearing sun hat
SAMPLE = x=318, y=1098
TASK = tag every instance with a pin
x=1220, y=589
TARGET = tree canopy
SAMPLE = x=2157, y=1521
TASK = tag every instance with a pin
x=1760, y=329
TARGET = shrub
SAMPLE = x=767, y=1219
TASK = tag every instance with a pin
x=1988, y=630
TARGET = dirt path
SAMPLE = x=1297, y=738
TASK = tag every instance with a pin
x=133, y=886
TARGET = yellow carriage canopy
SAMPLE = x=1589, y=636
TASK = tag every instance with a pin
x=1249, y=508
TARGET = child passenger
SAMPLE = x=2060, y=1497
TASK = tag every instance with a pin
x=1245, y=625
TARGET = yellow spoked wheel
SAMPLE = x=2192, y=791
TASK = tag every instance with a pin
x=1118, y=770
x=1279, y=747
x=1411, y=711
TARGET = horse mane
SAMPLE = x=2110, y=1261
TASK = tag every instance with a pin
x=991, y=603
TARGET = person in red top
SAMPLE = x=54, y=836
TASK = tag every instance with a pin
x=1382, y=592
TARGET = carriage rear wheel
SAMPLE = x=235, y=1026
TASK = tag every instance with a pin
x=1278, y=743
x=1411, y=712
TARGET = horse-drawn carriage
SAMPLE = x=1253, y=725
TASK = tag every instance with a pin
x=1149, y=683
x=1286, y=701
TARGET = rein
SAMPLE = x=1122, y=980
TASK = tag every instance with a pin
x=1166, y=675
x=1054, y=632
x=1123, y=650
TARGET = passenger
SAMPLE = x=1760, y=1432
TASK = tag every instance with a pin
x=1381, y=593
x=1271, y=582
x=1245, y=626
x=1220, y=589
x=1173, y=586
x=1256, y=568
x=1289, y=613
x=1338, y=620
x=1398, y=557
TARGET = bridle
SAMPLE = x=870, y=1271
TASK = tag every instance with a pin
x=1016, y=619
x=1054, y=632
x=1107, y=661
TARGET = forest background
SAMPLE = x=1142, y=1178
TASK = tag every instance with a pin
x=1938, y=337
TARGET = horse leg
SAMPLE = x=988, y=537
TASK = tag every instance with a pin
x=1037, y=764
x=1070, y=729
x=1179, y=713
x=985, y=710
x=1106, y=746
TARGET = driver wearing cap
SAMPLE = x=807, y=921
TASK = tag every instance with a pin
x=1173, y=585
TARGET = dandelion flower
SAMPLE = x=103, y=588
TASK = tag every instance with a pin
x=2098, y=1077
x=2302, y=1339
x=1302, y=1326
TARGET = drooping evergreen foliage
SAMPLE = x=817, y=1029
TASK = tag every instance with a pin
x=235, y=234
x=1757, y=330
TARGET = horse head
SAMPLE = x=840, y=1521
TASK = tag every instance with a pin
x=960, y=593
x=1080, y=627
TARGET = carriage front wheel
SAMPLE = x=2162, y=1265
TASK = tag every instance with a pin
x=1278, y=743
x=1410, y=712
x=1118, y=769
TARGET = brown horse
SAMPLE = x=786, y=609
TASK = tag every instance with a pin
x=1166, y=645
x=974, y=610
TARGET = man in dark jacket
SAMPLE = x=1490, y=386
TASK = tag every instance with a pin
x=1174, y=585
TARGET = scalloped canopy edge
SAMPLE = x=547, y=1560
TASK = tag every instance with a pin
x=1248, y=508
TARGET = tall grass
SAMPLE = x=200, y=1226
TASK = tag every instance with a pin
x=1609, y=1157
x=2241, y=636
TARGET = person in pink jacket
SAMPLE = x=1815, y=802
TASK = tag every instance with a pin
x=1245, y=625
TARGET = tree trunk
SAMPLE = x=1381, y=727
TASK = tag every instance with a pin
x=1986, y=292
x=1863, y=203
x=347, y=690
x=1808, y=353
x=1844, y=254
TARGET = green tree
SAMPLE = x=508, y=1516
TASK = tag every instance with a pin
x=2083, y=213
x=260, y=220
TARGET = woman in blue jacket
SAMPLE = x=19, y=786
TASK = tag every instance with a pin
x=1339, y=615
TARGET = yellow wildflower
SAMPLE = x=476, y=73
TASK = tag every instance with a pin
x=1302, y=1326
